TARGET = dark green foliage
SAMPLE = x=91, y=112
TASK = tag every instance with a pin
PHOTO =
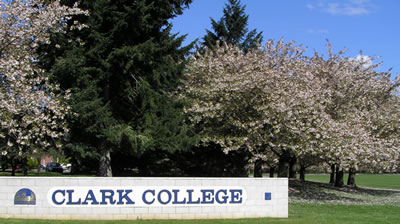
x=232, y=28
x=201, y=161
x=120, y=69
x=211, y=161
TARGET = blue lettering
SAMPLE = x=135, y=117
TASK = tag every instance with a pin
x=236, y=196
x=70, y=202
x=124, y=196
x=176, y=198
x=110, y=197
x=144, y=197
x=90, y=197
x=53, y=197
x=224, y=197
x=166, y=196
x=207, y=196
x=190, y=201
x=169, y=197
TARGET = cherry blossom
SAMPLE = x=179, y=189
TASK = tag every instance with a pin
x=32, y=108
x=276, y=100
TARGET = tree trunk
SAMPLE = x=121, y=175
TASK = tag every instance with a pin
x=292, y=166
x=13, y=167
x=271, y=171
x=339, y=177
x=105, y=154
x=283, y=167
x=258, y=168
x=351, y=180
x=332, y=178
x=302, y=173
x=38, y=166
x=25, y=167
x=105, y=163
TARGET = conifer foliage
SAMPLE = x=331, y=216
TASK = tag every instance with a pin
x=119, y=70
x=232, y=28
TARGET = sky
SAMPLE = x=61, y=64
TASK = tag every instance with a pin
x=370, y=26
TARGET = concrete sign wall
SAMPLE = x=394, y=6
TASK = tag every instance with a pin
x=142, y=198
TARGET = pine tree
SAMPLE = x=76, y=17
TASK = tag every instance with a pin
x=120, y=70
x=232, y=28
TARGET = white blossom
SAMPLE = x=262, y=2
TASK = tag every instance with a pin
x=274, y=100
x=32, y=109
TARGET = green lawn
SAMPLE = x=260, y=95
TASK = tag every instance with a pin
x=31, y=173
x=388, y=181
x=298, y=213
x=47, y=174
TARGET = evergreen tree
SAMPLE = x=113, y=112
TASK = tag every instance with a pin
x=119, y=70
x=232, y=28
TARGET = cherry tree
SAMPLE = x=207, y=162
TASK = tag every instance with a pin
x=276, y=100
x=264, y=100
x=32, y=108
x=359, y=101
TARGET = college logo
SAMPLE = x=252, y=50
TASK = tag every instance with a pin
x=25, y=196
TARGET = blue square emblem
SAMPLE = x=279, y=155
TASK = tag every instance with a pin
x=268, y=196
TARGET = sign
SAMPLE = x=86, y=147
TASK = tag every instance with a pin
x=140, y=196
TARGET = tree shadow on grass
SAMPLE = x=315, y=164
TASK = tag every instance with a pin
x=322, y=192
x=377, y=192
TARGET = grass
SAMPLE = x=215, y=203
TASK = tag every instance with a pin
x=388, y=181
x=30, y=173
x=46, y=174
x=298, y=213
x=323, y=193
